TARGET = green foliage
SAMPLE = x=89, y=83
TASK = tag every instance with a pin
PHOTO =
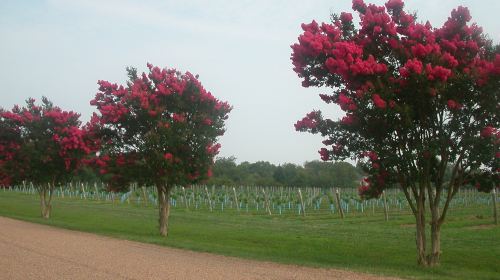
x=262, y=173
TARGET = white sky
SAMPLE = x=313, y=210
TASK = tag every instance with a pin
x=240, y=49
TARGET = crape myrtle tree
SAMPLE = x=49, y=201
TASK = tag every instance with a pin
x=42, y=145
x=9, y=144
x=416, y=98
x=160, y=129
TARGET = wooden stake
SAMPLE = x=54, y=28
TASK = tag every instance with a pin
x=96, y=191
x=185, y=198
x=495, y=214
x=144, y=196
x=236, y=200
x=209, y=199
x=386, y=214
x=83, y=191
x=266, y=201
x=302, y=204
x=341, y=211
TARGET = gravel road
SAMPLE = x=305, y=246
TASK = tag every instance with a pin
x=33, y=251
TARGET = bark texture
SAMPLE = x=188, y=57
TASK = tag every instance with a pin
x=164, y=207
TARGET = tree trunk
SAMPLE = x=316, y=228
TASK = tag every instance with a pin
x=427, y=256
x=45, y=202
x=420, y=230
x=164, y=207
x=434, y=255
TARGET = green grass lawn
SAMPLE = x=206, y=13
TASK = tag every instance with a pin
x=365, y=243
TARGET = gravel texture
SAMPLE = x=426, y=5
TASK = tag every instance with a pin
x=33, y=251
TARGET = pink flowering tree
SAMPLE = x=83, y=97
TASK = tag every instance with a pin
x=417, y=99
x=9, y=145
x=160, y=129
x=43, y=145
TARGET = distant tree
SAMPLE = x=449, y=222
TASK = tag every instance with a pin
x=224, y=172
x=161, y=129
x=43, y=145
x=328, y=174
x=263, y=172
x=416, y=98
x=347, y=174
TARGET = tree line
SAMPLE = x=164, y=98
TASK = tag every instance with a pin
x=262, y=173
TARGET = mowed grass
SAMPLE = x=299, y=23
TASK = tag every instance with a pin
x=364, y=243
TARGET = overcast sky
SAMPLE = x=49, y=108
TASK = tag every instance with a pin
x=240, y=49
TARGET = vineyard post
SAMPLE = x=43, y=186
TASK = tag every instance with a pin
x=209, y=199
x=193, y=195
x=494, y=198
x=83, y=191
x=144, y=195
x=337, y=195
x=466, y=197
x=96, y=191
x=302, y=203
x=266, y=200
x=386, y=214
x=236, y=200
x=185, y=198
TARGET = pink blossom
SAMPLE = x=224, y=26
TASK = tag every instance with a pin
x=378, y=101
x=453, y=105
x=207, y=121
x=178, y=118
x=325, y=155
x=488, y=131
x=345, y=17
x=392, y=103
x=168, y=156
x=347, y=119
x=396, y=5
x=359, y=5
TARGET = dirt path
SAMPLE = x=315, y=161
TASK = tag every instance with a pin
x=32, y=251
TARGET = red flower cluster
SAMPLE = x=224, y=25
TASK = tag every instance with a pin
x=378, y=101
x=346, y=17
x=325, y=154
x=213, y=149
x=437, y=72
x=169, y=156
x=310, y=121
x=489, y=131
x=348, y=119
x=411, y=66
x=453, y=105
